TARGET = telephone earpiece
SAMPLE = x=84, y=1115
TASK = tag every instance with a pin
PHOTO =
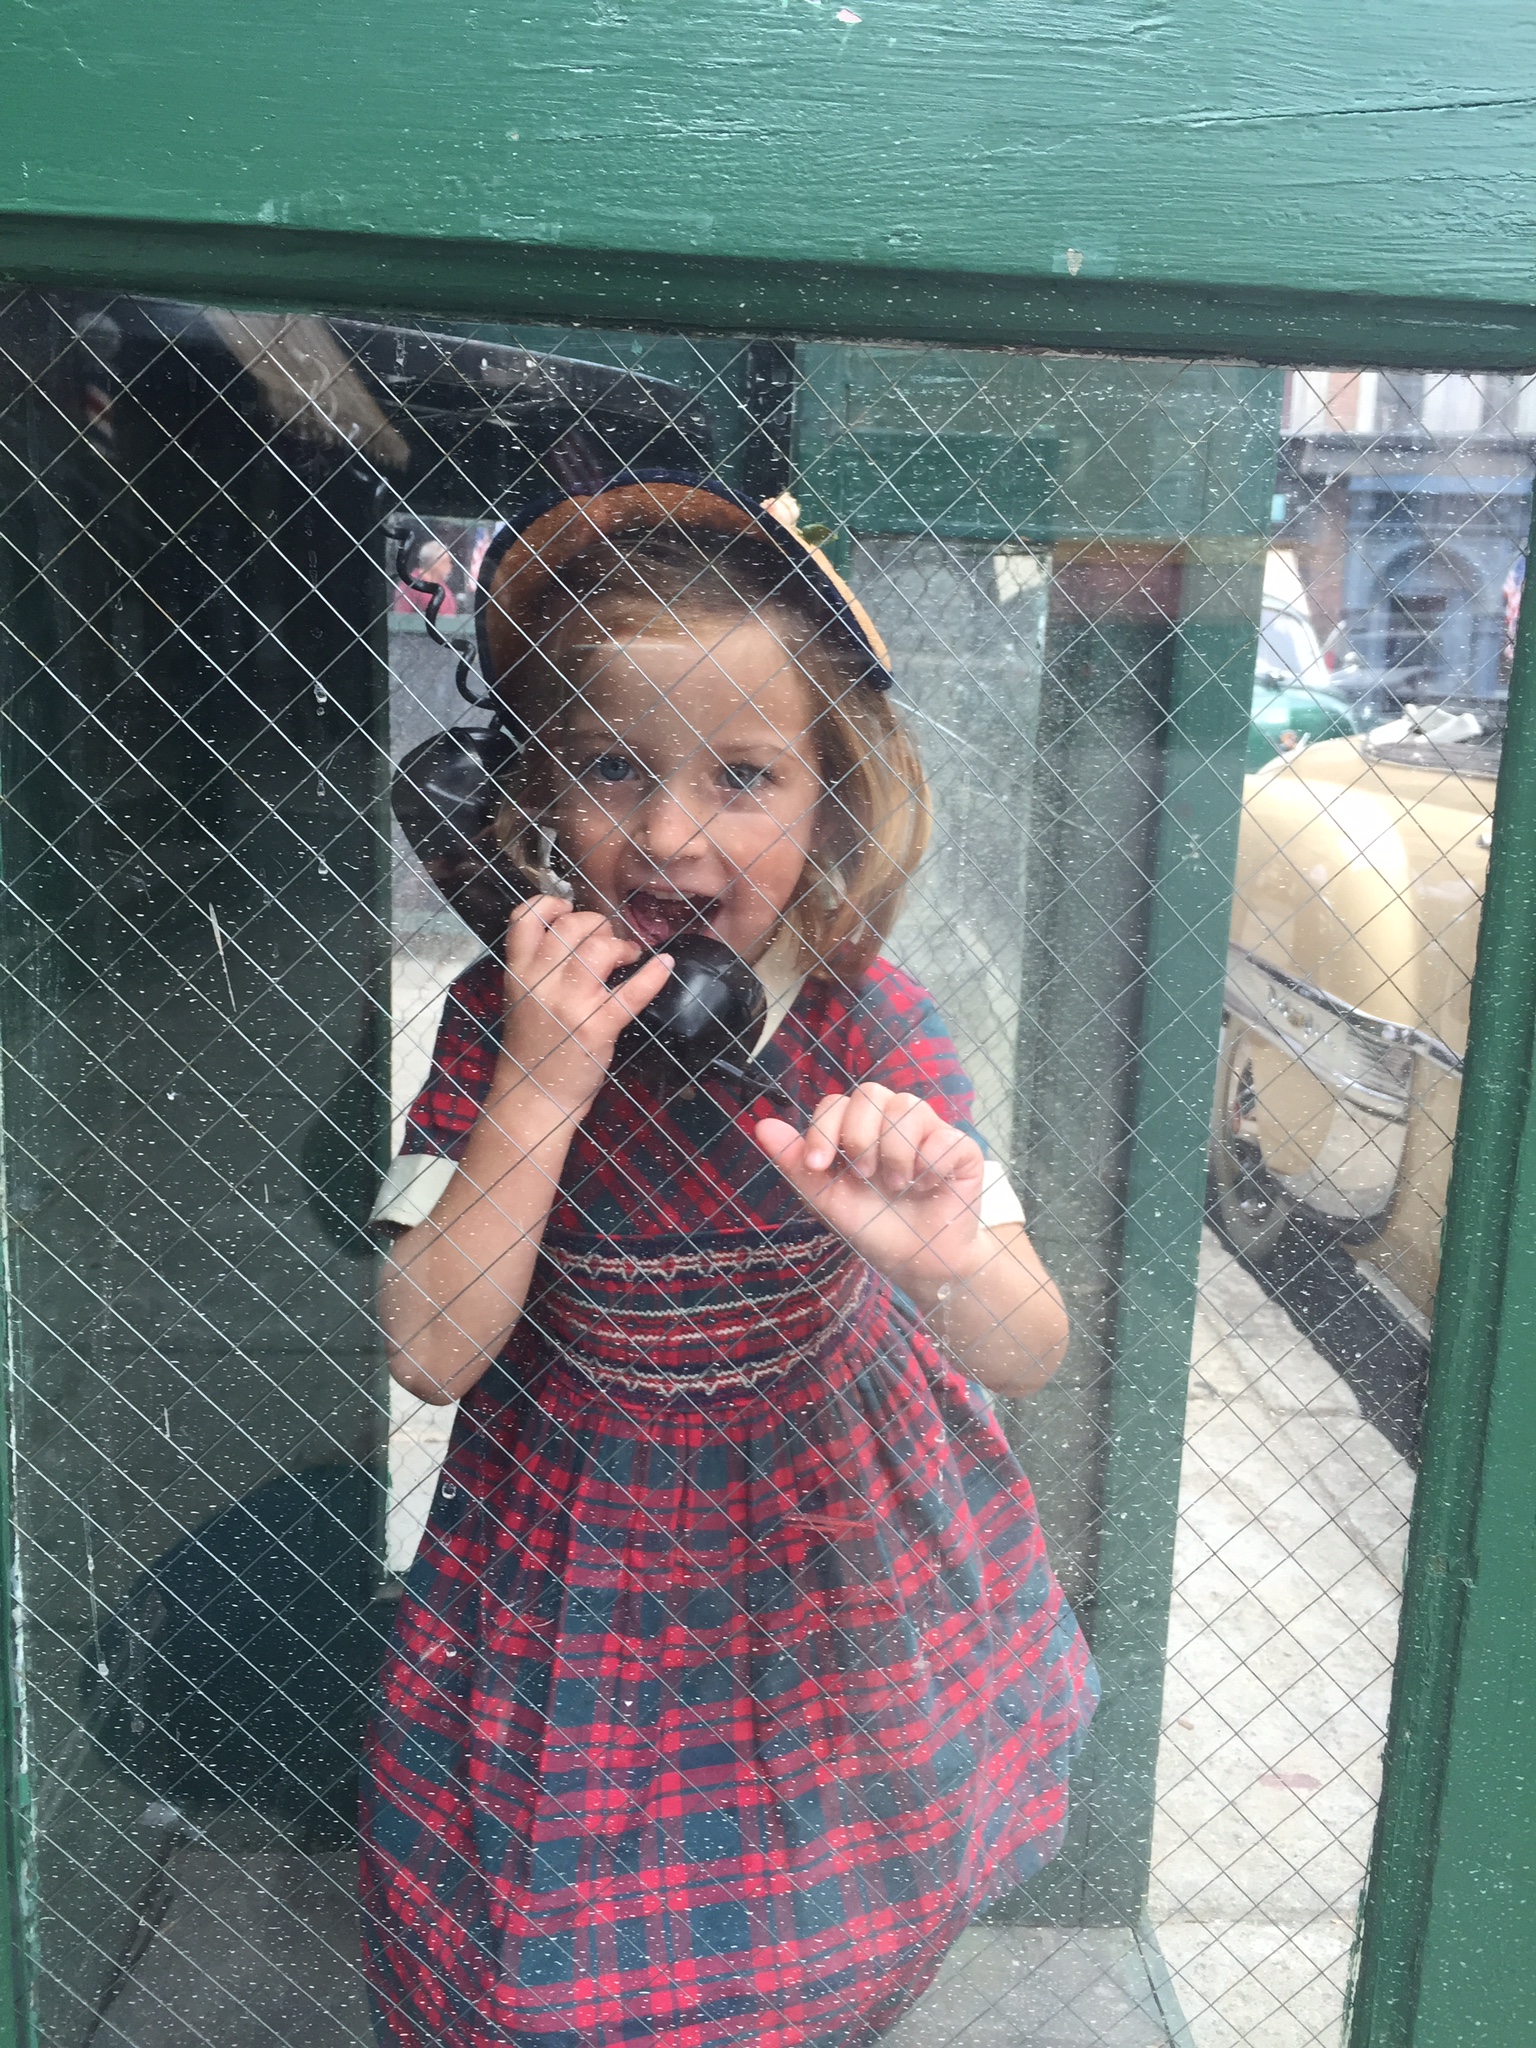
x=447, y=795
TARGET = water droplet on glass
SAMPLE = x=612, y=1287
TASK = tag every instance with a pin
x=322, y=695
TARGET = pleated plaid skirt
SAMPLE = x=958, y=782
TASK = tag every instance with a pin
x=731, y=1679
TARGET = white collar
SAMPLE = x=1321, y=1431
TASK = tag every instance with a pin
x=782, y=976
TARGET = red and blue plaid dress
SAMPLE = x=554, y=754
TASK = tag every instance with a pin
x=731, y=1678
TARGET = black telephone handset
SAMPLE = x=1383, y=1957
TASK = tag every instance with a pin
x=446, y=795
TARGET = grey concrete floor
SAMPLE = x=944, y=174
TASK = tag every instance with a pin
x=256, y=1950
x=1043, y=1987
x=261, y=1951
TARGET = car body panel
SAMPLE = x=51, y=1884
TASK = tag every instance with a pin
x=1359, y=889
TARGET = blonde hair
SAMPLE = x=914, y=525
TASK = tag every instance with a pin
x=874, y=818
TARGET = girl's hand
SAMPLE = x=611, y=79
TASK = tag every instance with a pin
x=563, y=1020
x=894, y=1178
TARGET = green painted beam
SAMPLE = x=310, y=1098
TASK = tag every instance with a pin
x=322, y=270
x=1478, y=1971
x=1447, y=1953
x=16, y=1944
x=1285, y=144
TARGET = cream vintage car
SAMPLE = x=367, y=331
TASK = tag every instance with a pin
x=1360, y=878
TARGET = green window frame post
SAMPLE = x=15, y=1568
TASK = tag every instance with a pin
x=1208, y=719
x=1448, y=1952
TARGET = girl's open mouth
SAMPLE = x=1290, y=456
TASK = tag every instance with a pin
x=657, y=920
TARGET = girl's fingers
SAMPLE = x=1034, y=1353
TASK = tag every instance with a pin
x=879, y=1135
x=790, y=1151
x=534, y=917
x=873, y=1132
x=943, y=1153
x=781, y=1141
x=863, y=1128
x=604, y=952
x=577, y=932
x=897, y=1142
x=899, y=1160
x=643, y=986
x=824, y=1133
x=540, y=910
x=905, y=1123
x=541, y=931
x=583, y=938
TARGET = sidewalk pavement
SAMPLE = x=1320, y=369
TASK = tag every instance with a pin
x=1293, y=1518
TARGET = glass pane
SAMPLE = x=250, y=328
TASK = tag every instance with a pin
x=731, y=1677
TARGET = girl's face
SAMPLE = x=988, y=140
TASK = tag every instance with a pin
x=686, y=778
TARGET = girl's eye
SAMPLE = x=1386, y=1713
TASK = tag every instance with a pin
x=744, y=774
x=611, y=768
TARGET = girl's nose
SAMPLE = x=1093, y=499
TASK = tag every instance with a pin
x=669, y=826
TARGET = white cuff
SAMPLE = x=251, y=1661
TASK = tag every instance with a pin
x=999, y=1203
x=412, y=1188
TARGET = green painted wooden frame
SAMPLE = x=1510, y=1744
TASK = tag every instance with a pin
x=1275, y=176
x=1277, y=180
x=255, y=265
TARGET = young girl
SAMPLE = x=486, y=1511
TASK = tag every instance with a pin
x=731, y=1679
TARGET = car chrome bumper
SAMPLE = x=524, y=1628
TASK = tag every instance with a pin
x=1366, y=1065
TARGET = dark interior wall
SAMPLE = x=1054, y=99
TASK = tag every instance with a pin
x=203, y=514
x=192, y=744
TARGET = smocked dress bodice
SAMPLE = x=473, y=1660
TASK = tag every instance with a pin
x=675, y=1251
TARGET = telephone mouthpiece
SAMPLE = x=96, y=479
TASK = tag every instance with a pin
x=712, y=1008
